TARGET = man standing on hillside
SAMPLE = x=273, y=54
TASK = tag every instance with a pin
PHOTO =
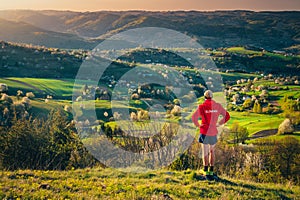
x=209, y=113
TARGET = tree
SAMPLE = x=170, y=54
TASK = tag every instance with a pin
x=20, y=94
x=143, y=115
x=286, y=127
x=290, y=105
x=85, y=89
x=108, y=131
x=3, y=88
x=248, y=103
x=285, y=154
x=6, y=99
x=26, y=102
x=117, y=115
x=239, y=133
x=135, y=96
x=30, y=95
x=37, y=144
x=257, y=107
x=294, y=117
x=67, y=108
x=133, y=116
x=236, y=98
x=264, y=94
x=176, y=102
x=176, y=111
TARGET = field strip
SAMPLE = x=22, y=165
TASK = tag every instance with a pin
x=26, y=84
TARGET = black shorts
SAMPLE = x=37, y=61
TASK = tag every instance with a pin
x=206, y=139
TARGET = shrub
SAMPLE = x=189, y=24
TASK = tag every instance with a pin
x=3, y=87
x=20, y=94
x=257, y=107
x=30, y=95
x=248, y=103
x=135, y=96
x=285, y=153
x=67, y=108
x=176, y=111
x=26, y=101
x=286, y=127
x=239, y=133
x=143, y=115
x=6, y=98
x=48, y=145
x=133, y=116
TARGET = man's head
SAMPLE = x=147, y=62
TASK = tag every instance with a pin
x=208, y=94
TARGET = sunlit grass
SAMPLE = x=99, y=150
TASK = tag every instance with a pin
x=108, y=183
x=276, y=137
x=242, y=50
x=255, y=122
x=55, y=87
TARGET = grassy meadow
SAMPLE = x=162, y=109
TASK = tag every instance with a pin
x=99, y=183
x=60, y=88
x=255, y=122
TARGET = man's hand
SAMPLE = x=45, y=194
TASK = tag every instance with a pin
x=218, y=124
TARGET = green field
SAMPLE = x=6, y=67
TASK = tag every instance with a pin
x=41, y=109
x=42, y=87
x=275, y=137
x=255, y=122
x=242, y=50
x=101, y=183
x=62, y=89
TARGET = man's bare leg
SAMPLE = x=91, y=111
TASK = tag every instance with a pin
x=205, y=155
x=211, y=157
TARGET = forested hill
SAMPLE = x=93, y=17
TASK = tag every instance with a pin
x=42, y=62
x=268, y=30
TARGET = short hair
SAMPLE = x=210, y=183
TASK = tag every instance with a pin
x=208, y=94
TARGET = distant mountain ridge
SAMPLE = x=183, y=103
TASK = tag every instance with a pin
x=22, y=32
x=269, y=30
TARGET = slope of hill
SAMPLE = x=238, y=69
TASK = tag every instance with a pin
x=22, y=32
x=28, y=61
x=111, y=184
x=40, y=62
x=270, y=30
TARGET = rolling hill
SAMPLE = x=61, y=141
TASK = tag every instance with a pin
x=41, y=62
x=22, y=32
x=27, y=61
x=269, y=30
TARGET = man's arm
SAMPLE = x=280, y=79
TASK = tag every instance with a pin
x=225, y=115
x=195, y=117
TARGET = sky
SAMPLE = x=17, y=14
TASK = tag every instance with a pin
x=152, y=5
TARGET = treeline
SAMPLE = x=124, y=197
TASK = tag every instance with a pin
x=45, y=144
x=53, y=144
x=267, y=161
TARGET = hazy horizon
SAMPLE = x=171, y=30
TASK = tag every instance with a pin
x=68, y=10
x=153, y=5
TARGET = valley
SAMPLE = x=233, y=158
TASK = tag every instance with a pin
x=122, y=129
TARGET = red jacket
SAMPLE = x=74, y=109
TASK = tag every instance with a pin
x=209, y=113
